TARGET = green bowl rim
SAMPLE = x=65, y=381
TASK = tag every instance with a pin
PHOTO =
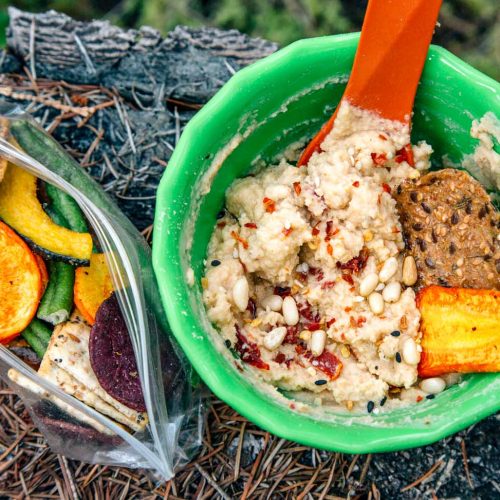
x=212, y=374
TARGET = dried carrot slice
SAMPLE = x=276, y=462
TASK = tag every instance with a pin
x=460, y=330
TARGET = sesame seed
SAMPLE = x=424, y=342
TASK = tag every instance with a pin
x=430, y=263
x=430, y=396
x=215, y=263
x=398, y=357
x=414, y=196
x=396, y=333
x=383, y=400
x=221, y=214
x=455, y=218
x=370, y=406
x=426, y=207
x=320, y=382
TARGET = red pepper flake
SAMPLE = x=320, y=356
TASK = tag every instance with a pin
x=317, y=272
x=330, y=230
x=386, y=188
x=302, y=277
x=329, y=249
x=348, y=278
x=419, y=398
x=395, y=230
x=292, y=335
x=405, y=154
x=269, y=205
x=315, y=230
x=297, y=188
x=327, y=284
x=353, y=322
x=315, y=325
x=379, y=158
x=383, y=137
x=361, y=321
x=356, y=264
x=355, y=184
x=347, y=309
x=330, y=322
x=221, y=224
x=328, y=363
x=250, y=225
x=238, y=238
x=306, y=312
x=249, y=351
x=379, y=198
x=299, y=349
x=287, y=232
x=282, y=359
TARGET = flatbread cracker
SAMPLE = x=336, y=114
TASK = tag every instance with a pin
x=69, y=351
x=31, y=386
x=71, y=386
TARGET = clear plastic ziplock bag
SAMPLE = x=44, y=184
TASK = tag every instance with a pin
x=78, y=417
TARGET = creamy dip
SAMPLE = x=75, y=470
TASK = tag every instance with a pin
x=304, y=273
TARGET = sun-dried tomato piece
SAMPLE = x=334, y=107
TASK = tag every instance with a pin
x=287, y=231
x=405, y=154
x=356, y=264
x=250, y=225
x=328, y=363
x=317, y=273
x=249, y=351
x=239, y=239
x=269, y=205
x=355, y=184
x=379, y=158
x=348, y=278
x=315, y=230
x=330, y=322
x=306, y=311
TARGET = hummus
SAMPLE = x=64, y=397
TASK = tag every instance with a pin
x=304, y=269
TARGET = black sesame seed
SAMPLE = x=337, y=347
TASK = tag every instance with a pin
x=426, y=207
x=487, y=257
x=430, y=396
x=383, y=400
x=434, y=237
x=474, y=328
x=468, y=207
x=487, y=208
x=320, y=382
x=422, y=244
x=221, y=214
x=370, y=406
x=453, y=248
x=376, y=367
x=417, y=226
x=442, y=281
x=455, y=218
x=396, y=333
x=228, y=343
x=414, y=196
x=398, y=357
x=482, y=213
x=430, y=263
x=215, y=263
x=399, y=189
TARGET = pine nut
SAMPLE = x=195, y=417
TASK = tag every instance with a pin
x=241, y=294
x=376, y=303
x=290, y=311
x=318, y=341
x=452, y=378
x=275, y=338
x=409, y=271
x=388, y=269
x=410, y=352
x=433, y=385
x=392, y=291
x=368, y=284
x=274, y=302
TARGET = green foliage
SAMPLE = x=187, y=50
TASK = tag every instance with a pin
x=469, y=28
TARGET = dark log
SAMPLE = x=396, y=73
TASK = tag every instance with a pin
x=189, y=64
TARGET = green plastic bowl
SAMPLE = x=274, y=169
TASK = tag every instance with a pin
x=257, y=114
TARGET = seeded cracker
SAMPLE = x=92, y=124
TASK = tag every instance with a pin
x=451, y=228
x=70, y=352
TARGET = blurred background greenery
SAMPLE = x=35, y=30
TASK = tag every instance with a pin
x=469, y=28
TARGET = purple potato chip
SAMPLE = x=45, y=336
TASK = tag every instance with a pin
x=112, y=356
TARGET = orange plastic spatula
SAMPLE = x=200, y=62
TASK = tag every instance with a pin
x=391, y=53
